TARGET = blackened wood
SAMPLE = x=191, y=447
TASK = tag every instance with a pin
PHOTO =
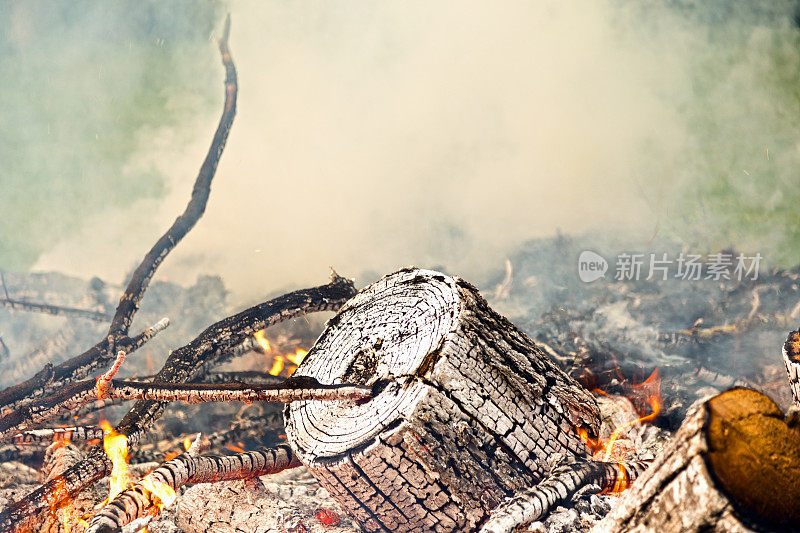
x=182, y=365
x=733, y=466
x=188, y=468
x=534, y=503
x=104, y=351
x=57, y=310
x=472, y=410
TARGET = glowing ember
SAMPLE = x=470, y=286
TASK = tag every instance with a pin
x=238, y=447
x=327, y=517
x=262, y=340
x=116, y=447
x=104, y=381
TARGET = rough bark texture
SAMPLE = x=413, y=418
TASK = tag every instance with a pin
x=134, y=502
x=471, y=410
x=733, y=466
x=536, y=502
x=791, y=359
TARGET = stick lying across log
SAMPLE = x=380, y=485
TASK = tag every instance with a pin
x=78, y=394
x=471, y=410
x=734, y=465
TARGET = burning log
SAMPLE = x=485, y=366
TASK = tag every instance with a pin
x=468, y=409
x=734, y=465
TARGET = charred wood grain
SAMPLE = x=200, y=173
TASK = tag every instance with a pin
x=471, y=410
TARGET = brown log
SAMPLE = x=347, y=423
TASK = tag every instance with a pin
x=734, y=465
x=470, y=412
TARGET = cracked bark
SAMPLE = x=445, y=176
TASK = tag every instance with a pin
x=470, y=411
x=733, y=466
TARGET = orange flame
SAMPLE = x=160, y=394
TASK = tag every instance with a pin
x=187, y=442
x=279, y=362
x=262, y=340
x=116, y=448
x=238, y=447
x=160, y=493
x=607, y=450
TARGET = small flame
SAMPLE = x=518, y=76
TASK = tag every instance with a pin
x=608, y=450
x=187, y=442
x=277, y=365
x=262, y=340
x=161, y=494
x=116, y=447
x=279, y=362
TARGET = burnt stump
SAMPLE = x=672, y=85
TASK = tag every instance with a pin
x=468, y=411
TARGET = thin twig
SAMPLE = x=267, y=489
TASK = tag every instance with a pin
x=50, y=309
x=104, y=351
x=293, y=389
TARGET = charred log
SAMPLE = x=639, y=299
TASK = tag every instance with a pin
x=471, y=410
x=734, y=465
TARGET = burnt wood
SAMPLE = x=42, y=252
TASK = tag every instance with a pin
x=469, y=409
x=733, y=466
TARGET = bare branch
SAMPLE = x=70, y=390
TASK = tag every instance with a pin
x=45, y=437
x=104, y=351
x=55, y=309
x=299, y=388
x=158, y=487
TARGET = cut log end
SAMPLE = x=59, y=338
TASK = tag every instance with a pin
x=734, y=465
x=755, y=457
x=469, y=409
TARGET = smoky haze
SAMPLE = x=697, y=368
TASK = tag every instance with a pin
x=372, y=136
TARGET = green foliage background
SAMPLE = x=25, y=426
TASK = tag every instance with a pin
x=79, y=81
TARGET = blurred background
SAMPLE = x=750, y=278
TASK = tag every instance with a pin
x=372, y=136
